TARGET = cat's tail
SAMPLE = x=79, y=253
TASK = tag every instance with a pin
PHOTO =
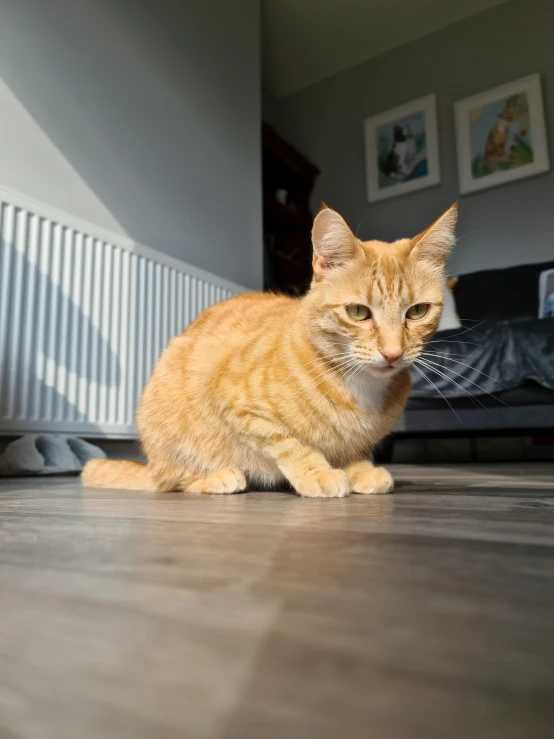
x=108, y=473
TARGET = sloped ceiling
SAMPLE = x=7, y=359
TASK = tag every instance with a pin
x=305, y=41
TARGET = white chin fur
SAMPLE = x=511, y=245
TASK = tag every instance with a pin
x=368, y=386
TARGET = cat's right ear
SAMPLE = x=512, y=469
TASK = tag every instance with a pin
x=435, y=243
x=334, y=243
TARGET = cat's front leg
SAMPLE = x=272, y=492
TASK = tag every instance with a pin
x=366, y=479
x=306, y=469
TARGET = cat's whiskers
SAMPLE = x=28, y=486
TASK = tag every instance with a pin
x=457, y=361
x=449, y=341
x=348, y=369
x=461, y=333
x=478, y=403
x=344, y=366
x=482, y=389
x=325, y=358
x=356, y=372
x=333, y=366
x=422, y=373
x=450, y=354
x=351, y=374
x=322, y=359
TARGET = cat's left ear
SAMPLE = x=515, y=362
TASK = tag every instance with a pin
x=435, y=243
x=334, y=243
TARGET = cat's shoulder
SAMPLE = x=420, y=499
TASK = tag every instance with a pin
x=265, y=298
x=255, y=302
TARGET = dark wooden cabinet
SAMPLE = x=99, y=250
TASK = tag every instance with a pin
x=288, y=179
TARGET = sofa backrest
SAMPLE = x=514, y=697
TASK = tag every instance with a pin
x=497, y=294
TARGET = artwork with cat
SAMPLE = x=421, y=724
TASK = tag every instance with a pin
x=263, y=388
x=501, y=135
x=402, y=149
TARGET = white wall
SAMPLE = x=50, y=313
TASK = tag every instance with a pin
x=141, y=117
x=498, y=227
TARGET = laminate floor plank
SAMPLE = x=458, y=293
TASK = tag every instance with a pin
x=426, y=614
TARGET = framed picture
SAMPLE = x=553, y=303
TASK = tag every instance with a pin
x=401, y=149
x=500, y=135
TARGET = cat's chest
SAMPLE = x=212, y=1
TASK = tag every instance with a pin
x=368, y=391
x=354, y=428
x=400, y=148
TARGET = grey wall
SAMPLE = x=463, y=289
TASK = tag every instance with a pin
x=272, y=108
x=498, y=227
x=142, y=117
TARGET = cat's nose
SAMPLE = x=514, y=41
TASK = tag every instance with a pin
x=391, y=354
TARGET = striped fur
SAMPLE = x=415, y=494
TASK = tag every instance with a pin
x=263, y=388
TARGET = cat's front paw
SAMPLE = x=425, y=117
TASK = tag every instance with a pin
x=323, y=484
x=229, y=480
x=371, y=481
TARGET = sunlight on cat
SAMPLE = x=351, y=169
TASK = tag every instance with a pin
x=265, y=388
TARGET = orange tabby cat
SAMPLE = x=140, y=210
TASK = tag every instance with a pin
x=265, y=387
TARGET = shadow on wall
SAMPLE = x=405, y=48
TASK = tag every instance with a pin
x=55, y=364
x=155, y=107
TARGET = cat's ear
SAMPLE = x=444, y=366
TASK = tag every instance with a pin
x=435, y=243
x=334, y=243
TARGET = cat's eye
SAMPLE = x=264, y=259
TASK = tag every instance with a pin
x=358, y=312
x=416, y=312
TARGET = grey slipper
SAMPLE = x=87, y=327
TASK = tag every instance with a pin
x=46, y=454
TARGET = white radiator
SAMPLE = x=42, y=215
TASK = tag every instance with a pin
x=84, y=316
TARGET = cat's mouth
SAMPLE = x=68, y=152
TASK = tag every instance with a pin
x=382, y=370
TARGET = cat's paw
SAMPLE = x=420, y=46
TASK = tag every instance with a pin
x=323, y=484
x=371, y=481
x=229, y=480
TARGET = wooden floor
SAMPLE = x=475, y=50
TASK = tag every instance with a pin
x=427, y=614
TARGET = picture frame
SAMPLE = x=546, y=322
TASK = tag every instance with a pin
x=546, y=294
x=402, y=149
x=501, y=135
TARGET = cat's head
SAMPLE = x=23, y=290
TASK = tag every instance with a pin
x=511, y=109
x=401, y=133
x=376, y=303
